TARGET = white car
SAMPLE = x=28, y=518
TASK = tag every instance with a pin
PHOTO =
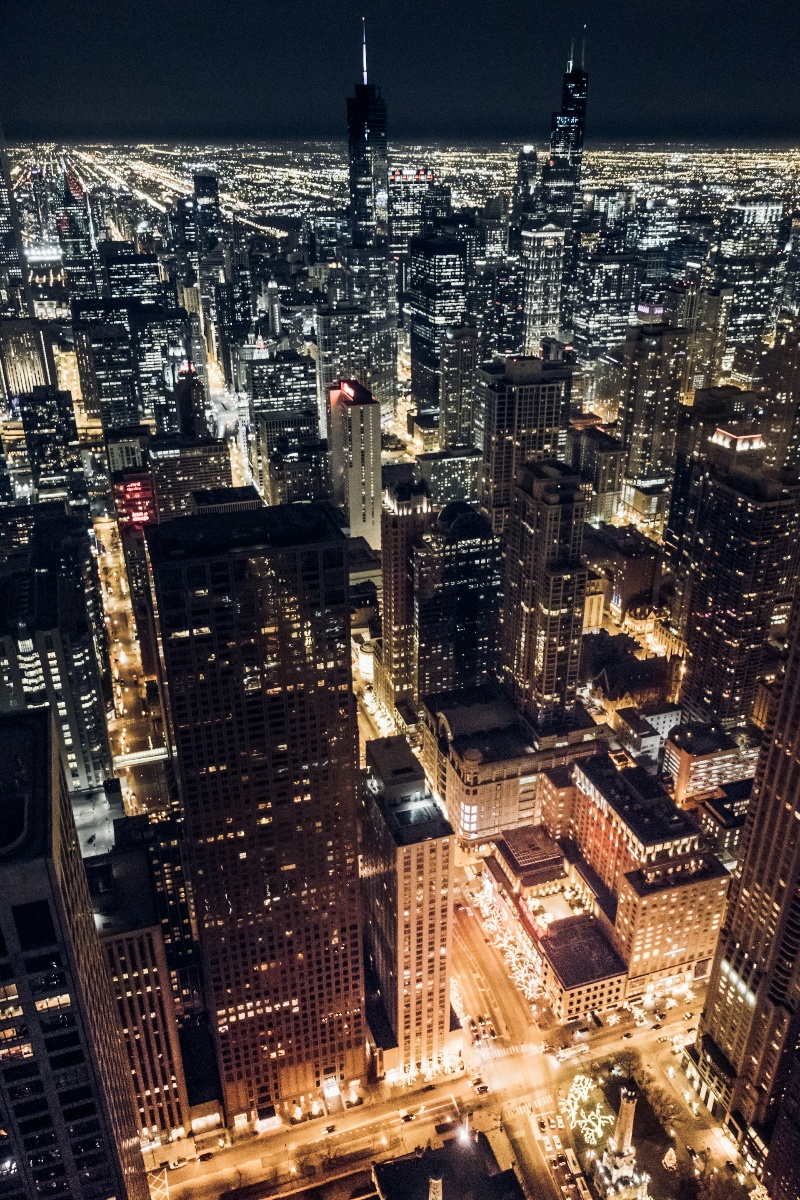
x=548, y=1145
x=557, y=1143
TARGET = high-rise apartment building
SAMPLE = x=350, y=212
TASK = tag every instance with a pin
x=521, y=415
x=355, y=442
x=544, y=591
x=712, y=408
x=747, y=259
x=180, y=466
x=749, y=1029
x=51, y=437
x=75, y=231
x=407, y=877
x=108, y=375
x=53, y=646
x=343, y=343
x=136, y=963
x=15, y=298
x=162, y=341
x=605, y=290
x=780, y=372
x=543, y=249
x=254, y=623
x=436, y=299
x=652, y=380
x=704, y=313
x=459, y=361
x=127, y=275
x=68, y=1117
x=743, y=565
x=405, y=516
x=455, y=568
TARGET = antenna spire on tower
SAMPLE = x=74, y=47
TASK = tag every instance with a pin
x=571, y=55
x=583, y=50
x=364, y=48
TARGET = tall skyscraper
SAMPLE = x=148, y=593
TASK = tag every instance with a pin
x=522, y=411
x=652, y=379
x=543, y=249
x=254, y=620
x=15, y=297
x=747, y=259
x=781, y=382
x=712, y=408
x=436, y=298
x=162, y=344
x=355, y=441
x=704, y=313
x=544, y=592
x=743, y=566
x=51, y=439
x=108, y=369
x=459, y=362
x=53, y=646
x=368, y=157
x=76, y=236
x=606, y=287
x=408, y=896
x=455, y=569
x=127, y=275
x=405, y=516
x=749, y=1029
x=68, y=1115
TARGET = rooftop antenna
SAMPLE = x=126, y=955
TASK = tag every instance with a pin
x=364, y=49
x=583, y=50
x=571, y=55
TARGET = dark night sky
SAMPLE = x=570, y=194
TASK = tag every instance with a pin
x=705, y=69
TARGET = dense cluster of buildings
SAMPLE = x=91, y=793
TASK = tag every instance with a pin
x=520, y=480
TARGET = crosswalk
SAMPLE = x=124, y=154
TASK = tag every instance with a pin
x=495, y=1051
x=526, y=1107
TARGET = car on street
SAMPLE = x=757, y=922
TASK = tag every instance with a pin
x=548, y=1145
x=407, y=1117
x=625, y=1036
x=559, y=1121
x=206, y=1156
x=663, y=1038
x=542, y=1124
x=557, y=1142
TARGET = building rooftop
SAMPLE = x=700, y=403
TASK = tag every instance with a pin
x=639, y=800
x=580, y=952
x=352, y=393
x=468, y=1171
x=635, y=722
x=26, y=783
x=680, y=872
x=280, y=525
x=216, y=497
x=531, y=854
x=699, y=739
x=397, y=782
x=121, y=892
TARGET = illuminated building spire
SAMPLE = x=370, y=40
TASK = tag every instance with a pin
x=571, y=59
x=583, y=49
x=364, y=49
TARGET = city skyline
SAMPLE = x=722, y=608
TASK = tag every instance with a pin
x=695, y=78
x=400, y=619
